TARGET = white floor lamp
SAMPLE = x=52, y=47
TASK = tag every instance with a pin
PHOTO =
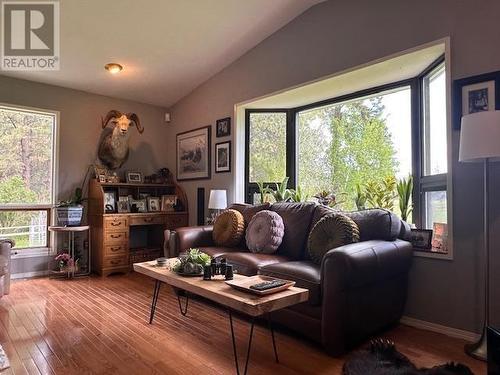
x=480, y=142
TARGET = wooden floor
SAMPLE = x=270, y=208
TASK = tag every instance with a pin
x=99, y=326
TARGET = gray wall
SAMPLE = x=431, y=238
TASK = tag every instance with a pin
x=79, y=131
x=337, y=35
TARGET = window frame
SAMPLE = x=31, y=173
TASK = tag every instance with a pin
x=422, y=183
x=49, y=248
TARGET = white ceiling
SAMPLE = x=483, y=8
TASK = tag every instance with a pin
x=168, y=47
x=391, y=69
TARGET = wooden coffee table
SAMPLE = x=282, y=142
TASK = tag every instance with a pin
x=218, y=291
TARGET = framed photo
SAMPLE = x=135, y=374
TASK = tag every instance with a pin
x=168, y=202
x=475, y=94
x=440, y=237
x=223, y=127
x=153, y=204
x=138, y=205
x=102, y=179
x=421, y=239
x=100, y=170
x=109, y=201
x=193, y=154
x=223, y=157
x=134, y=178
x=123, y=204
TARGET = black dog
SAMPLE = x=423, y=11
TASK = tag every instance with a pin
x=382, y=358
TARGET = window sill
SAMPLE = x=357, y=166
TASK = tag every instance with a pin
x=31, y=252
x=433, y=255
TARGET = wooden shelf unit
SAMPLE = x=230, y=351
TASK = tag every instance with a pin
x=114, y=235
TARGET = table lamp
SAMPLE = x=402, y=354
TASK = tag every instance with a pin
x=480, y=142
x=217, y=202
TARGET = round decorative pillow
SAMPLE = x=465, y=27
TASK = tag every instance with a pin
x=265, y=232
x=330, y=232
x=229, y=228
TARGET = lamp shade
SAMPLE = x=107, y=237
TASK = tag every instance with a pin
x=217, y=200
x=480, y=136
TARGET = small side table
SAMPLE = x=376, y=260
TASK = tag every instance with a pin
x=71, y=245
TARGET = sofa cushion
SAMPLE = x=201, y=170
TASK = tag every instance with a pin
x=265, y=232
x=247, y=263
x=330, y=232
x=297, y=220
x=250, y=212
x=229, y=228
x=306, y=274
x=373, y=223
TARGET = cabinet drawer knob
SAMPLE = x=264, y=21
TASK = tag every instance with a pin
x=116, y=235
x=115, y=224
x=116, y=248
x=115, y=262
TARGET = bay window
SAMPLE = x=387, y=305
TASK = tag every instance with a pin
x=340, y=144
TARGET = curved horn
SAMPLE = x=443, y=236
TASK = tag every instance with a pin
x=133, y=117
x=110, y=115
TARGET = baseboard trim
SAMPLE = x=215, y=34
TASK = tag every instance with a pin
x=438, y=328
x=27, y=275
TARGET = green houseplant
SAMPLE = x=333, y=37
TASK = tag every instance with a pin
x=70, y=212
x=381, y=193
x=405, y=188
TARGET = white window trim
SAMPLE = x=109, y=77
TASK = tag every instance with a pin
x=30, y=252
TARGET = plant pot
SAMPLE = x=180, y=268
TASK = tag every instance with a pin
x=69, y=216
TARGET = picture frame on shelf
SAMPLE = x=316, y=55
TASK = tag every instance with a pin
x=109, y=201
x=138, y=205
x=193, y=154
x=100, y=170
x=223, y=157
x=223, y=127
x=475, y=94
x=134, y=177
x=440, y=237
x=102, y=179
x=123, y=204
x=421, y=239
x=168, y=202
x=153, y=204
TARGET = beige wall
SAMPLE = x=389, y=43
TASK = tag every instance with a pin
x=79, y=131
x=338, y=35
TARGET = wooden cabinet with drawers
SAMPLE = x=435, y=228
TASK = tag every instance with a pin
x=120, y=239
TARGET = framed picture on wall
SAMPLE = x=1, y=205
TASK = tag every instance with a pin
x=223, y=127
x=193, y=154
x=223, y=157
x=475, y=94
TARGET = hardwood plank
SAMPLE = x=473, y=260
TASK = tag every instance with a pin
x=100, y=326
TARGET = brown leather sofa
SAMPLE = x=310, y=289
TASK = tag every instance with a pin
x=358, y=290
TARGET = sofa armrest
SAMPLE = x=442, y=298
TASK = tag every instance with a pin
x=190, y=237
x=363, y=263
x=363, y=289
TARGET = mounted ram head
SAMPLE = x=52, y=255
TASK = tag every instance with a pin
x=113, y=147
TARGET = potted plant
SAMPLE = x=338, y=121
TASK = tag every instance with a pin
x=69, y=212
x=405, y=188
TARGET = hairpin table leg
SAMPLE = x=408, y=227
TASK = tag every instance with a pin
x=234, y=345
x=156, y=292
x=270, y=324
x=185, y=310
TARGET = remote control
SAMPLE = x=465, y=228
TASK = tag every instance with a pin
x=265, y=285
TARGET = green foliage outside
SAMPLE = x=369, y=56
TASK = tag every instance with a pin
x=345, y=150
x=25, y=168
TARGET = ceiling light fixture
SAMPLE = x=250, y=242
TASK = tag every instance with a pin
x=113, y=68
